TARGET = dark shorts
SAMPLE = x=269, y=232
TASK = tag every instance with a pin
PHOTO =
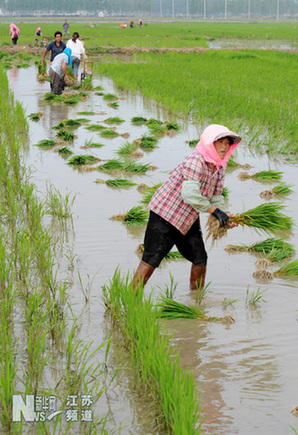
x=161, y=236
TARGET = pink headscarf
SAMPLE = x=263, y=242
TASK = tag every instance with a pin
x=206, y=148
x=13, y=28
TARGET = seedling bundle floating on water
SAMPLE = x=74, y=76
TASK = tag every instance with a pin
x=262, y=175
x=65, y=135
x=280, y=189
x=65, y=151
x=35, y=116
x=277, y=249
x=290, y=269
x=126, y=166
x=264, y=217
x=46, y=143
x=138, y=120
x=114, y=120
x=135, y=216
x=148, y=142
x=82, y=160
x=170, y=309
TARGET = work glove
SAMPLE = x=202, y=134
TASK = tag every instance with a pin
x=221, y=216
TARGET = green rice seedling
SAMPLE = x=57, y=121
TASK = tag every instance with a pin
x=148, y=142
x=114, y=105
x=267, y=175
x=83, y=120
x=82, y=160
x=65, y=135
x=98, y=88
x=95, y=127
x=149, y=191
x=65, y=151
x=111, y=165
x=153, y=122
x=99, y=93
x=228, y=303
x=110, y=97
x=172, y=310
x=86, y=113
x=35, y=116
x=72, y=100
x=290, y=269
x=173, y=255
x=264, y=217
x=156, y=127
x=126, y=148
x=114, y=120
x=129, y=166
x=170, y=125
x=87, y=84
x=59, y=126
x=90, y=144
x=135, y=216
x=283, y=189
x=58, y=205
x=193, y=142
x=138, y=120
x=52, y=97
x=46, y=143
x=108, y=132
x=72, y=122
x=170, y=290
x=271, y=246
x=254, y=298
x=232, y=164
x=225, y=192
x=83, y=94
x=119, y=183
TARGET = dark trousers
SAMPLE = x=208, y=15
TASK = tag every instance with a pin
x=57, y=82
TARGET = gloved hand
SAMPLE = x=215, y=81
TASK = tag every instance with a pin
x=221, y=216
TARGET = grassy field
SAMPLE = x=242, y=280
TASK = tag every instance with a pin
x=156, y=34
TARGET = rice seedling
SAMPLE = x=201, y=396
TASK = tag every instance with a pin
x=99, y=93
x=263, y=175
x=86, y=113
x=148, y=142
x=90, y=144
x=109, y=133
x=170, y=290
x=129, y=166
x=83, y=120
x=95, y=127
x=228, y=303
x=110, y=97
x=119, y=183
x=264, y=217
x=35, y=116
x=72, y=100
x=135, y=216
x=193, y=142
x=172, y=310
x=114, y=105
x=156, y=127
x=58, y=205
x=98, y=88
x=52, y=97
x=82, y=160
x=253, y=299
x=87, y=84
x=149, y=191
x=138, y=120
x=114, y=120
x=59, y=126
x=111, y=165
x=277, y=249
x=46, y=143
x=283, y=189
x=65, y=151
x=170, y=125
x=83, y=94
x=65, y=135
x=126, y=148
x=225, y=192
x=72, y=122
x=232, y=164
x=290, y=269
x=173, y=255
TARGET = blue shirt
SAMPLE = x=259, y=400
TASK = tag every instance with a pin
x=55, y=49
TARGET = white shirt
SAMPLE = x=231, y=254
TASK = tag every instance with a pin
x=77, y=48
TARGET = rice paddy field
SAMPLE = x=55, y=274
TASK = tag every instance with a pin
x=73, y=211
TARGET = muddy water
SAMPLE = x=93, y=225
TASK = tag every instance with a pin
x=246, y=371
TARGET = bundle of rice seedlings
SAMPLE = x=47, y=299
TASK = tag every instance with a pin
x=98, y=88
x=119, y=183
x=127, y=148
x=170, y=309
x=52, y=97
x=232, y=164
x=35, y=116
x=83, y=94
x=109, y=133
x=283, y=189
x=87, y=84
x=65, y=135
x=153, y=122
x=264, y=217
x=156, y=127
x=95, y=127
x=172, y=126
x=41, y=68
x=70, y=80
x=138, y=120
x=135, y=216
x=42, y=71
x=111, y=165
x=59, y=126
x=110, y=97
x=72, y=122
x=148, y=142
x=114, y=120
x=90, y=144
x=225, y=192
x=262, y=175
x=290, y=269
x=114, y=105
x=99, y=93
x=277, y=249
x=72, y=100
x=129, y=166
x=46, y=143
x=149, y=191
x=83, y=120
x=65, y=151
x=82, y=160
x=193, y=142
x=86, y=113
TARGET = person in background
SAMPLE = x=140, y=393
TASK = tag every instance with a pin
x=65, y=28
x=131, y=24
x=140, y=23
x=77, y=49
x=195, y=186
x=38, y=32
x=14, y=33
x=58, y=72
x=55, y=47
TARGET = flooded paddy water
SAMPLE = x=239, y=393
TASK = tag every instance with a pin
x=246, y=371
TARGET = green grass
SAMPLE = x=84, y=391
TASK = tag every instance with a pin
x=82, y=160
